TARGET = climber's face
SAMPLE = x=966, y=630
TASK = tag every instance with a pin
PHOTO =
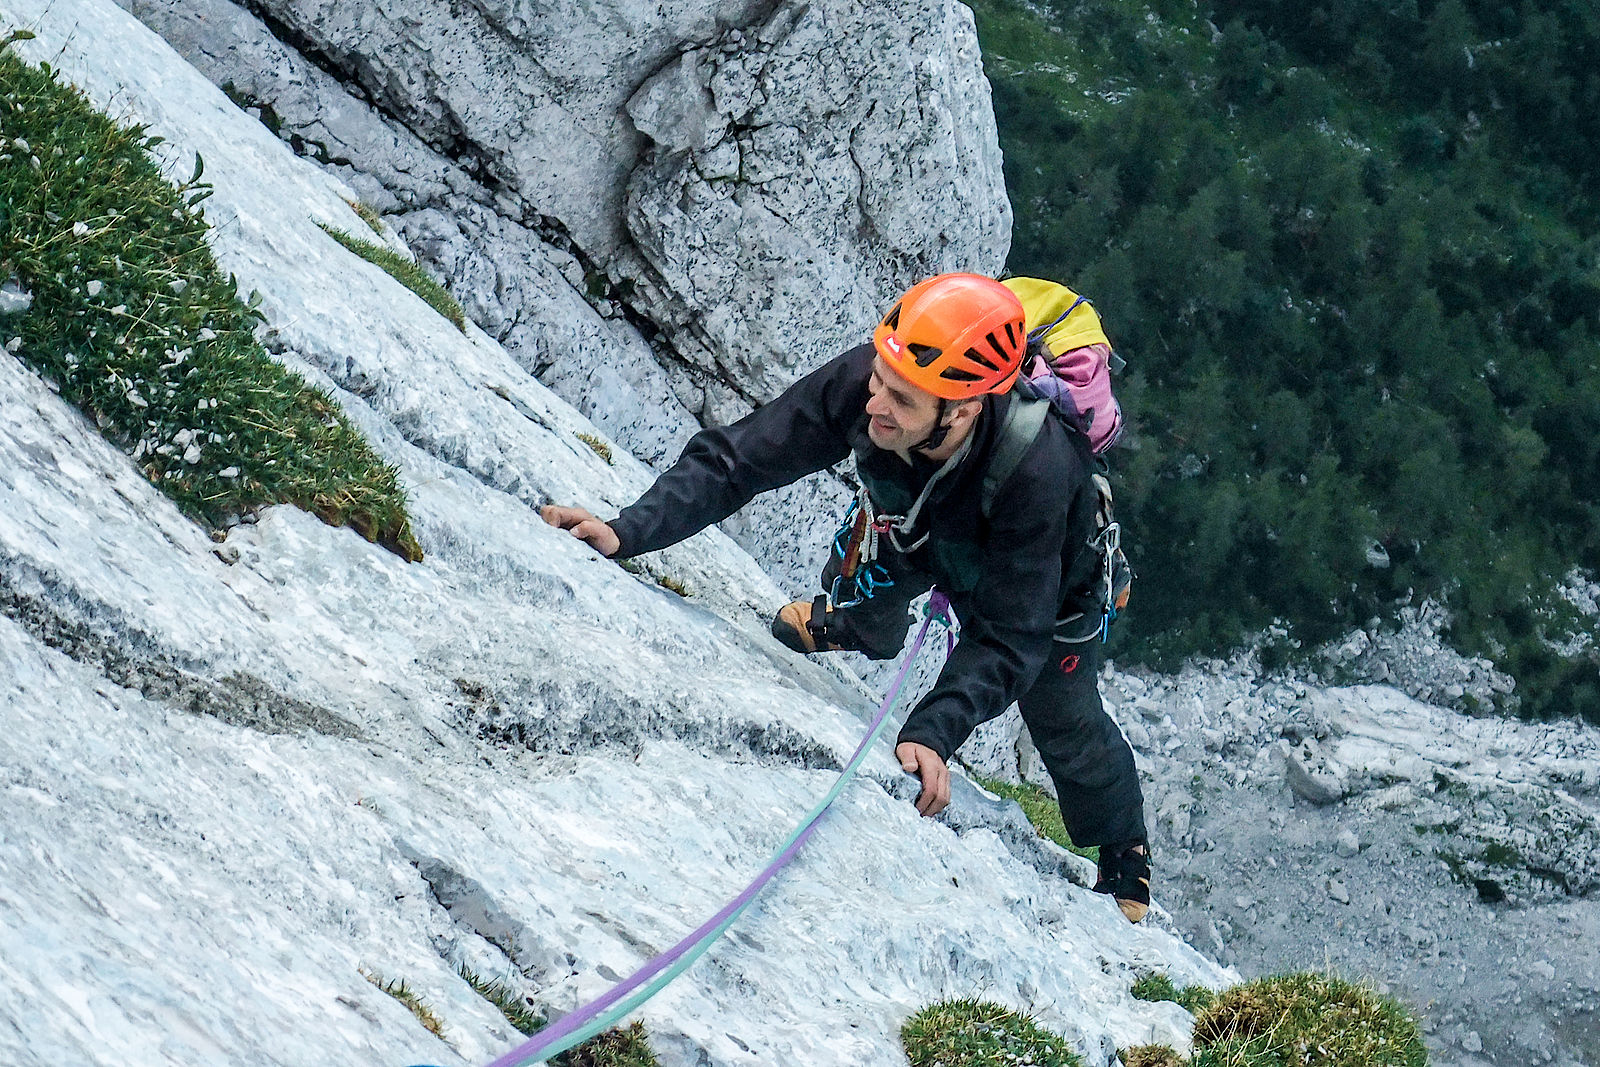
x=901, y=415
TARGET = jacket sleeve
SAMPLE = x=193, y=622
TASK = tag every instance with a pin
x=803, y=430
x=1008, y=620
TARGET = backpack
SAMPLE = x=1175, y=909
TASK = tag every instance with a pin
x=1067, y=374
x=1069, y=359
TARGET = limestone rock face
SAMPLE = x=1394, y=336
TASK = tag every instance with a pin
x=803, y=173
x=736, y=189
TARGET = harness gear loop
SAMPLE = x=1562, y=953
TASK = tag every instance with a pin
x=857, y=543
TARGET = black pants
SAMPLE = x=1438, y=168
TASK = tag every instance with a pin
x=1088, y=758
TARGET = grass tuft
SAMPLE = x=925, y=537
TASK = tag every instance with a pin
x=601, y=449
x=368, y=214
x=972, y=1033
x=674, y=585
x=131, y=321
x=665, y=581
x=622, y=1047
x=514, y=1007
x=1306, y=1020
x=1150, y=1056
x=1041, y=810
x=628, y=1047
x=405, y=272
x=1157, y=986
x=414, y=1004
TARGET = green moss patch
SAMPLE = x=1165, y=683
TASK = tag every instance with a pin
x=405, y=272
x=973, y=1033
x=133, y=323
x=1041, y=810
x=1157, y=986
x=1306, y=1020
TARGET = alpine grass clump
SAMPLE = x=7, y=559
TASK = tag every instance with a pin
x=1041, y=810
x=1150, y=1056
x=1306, y=1020
x=131, y=320
x=973, y=1033
x=404, y=271
x=615, y=1048
x=413, y=1003
x=512, y=1006
x=622, y=1047
x=368, y=214
x=600, y=448
x=1157, y=986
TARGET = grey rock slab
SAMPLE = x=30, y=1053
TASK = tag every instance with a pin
x=866, y=158
x=755, y=259
x=1313, y=777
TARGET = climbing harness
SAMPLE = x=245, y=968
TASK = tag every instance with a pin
x=606, y=1011
x=864, y=527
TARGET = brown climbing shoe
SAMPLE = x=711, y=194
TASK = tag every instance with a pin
x=1125, y=874
x=793, y=626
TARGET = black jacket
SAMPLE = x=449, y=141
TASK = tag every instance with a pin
x=1008, y=575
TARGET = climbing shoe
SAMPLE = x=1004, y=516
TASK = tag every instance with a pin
x=1125, y=874
x=803, y=626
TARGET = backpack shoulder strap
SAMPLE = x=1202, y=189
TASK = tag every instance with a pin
x=1024, y=419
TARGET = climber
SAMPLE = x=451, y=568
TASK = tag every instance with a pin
x=922, y=407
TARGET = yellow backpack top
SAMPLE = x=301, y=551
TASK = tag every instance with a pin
x=1069, y=359
x=1076, y=324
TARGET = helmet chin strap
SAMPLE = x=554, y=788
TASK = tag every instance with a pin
x=940, y=430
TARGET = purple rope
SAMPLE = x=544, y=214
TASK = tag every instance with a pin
x=529, y=1051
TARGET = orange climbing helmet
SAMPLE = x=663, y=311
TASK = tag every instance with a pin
x=956, y=336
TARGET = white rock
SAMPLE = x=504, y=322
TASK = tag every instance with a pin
x=1347, y=844
x=1314, y=777
x=13, y=301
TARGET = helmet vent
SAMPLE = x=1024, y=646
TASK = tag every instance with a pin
x=1003, y=351
x=956, y=375
x=892, y=320
x=924, y=354
x=1011, y=335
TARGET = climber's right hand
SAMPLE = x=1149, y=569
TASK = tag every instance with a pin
x=584, y=526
